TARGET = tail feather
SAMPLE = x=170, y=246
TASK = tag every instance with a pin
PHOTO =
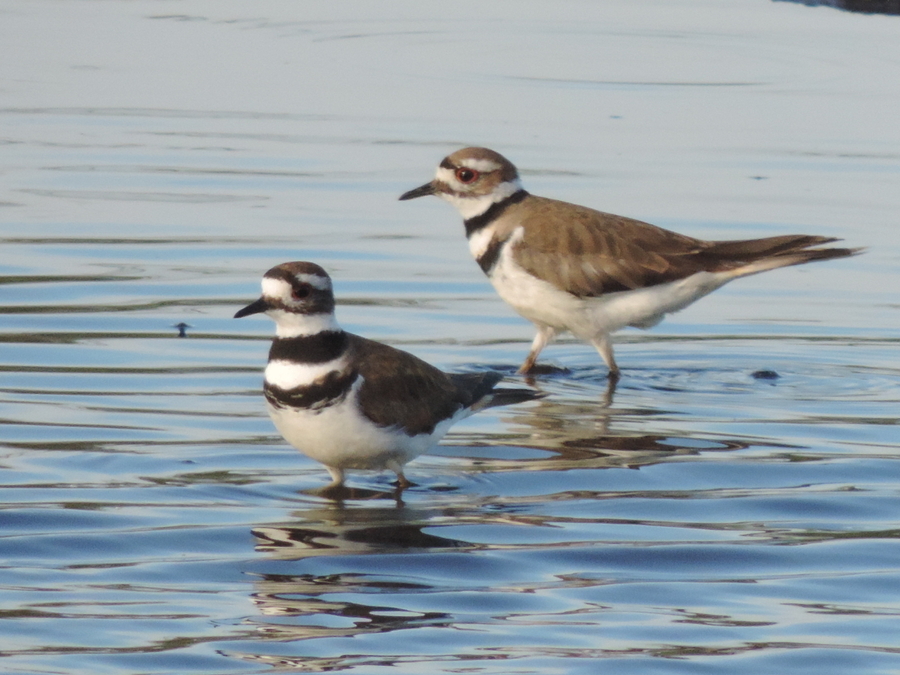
x=476, y=386
x=753, y=249
x=752, y=256
x=481, y=393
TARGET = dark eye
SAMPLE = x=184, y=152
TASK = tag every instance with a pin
x=466, y=175
x=301, y=291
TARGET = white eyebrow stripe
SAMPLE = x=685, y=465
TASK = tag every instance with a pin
x=314, y=280
x=483, y=165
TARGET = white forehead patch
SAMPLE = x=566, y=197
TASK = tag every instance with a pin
x=279, y=288
x=275, y=288
x=447, y=176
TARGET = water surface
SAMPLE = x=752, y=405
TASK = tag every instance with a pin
x=730, y=507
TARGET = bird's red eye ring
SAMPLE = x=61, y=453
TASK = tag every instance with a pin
x=301, y=291
x=466, y=175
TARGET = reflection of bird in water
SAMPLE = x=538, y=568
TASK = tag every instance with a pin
x=340, y=530
x=306, y=607
x=582, y=433
x=349, y=402
x=182, y=328
x=300, y=606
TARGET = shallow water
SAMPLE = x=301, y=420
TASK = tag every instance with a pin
x=730, y=507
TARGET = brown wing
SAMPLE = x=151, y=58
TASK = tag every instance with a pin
x=588, y=252
x=401, y=390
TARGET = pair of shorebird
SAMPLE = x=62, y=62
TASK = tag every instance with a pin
x=351, y=403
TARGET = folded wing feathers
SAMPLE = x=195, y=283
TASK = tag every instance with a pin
x=589, y=253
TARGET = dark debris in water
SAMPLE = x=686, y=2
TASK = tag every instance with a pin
x=765, y=375
x=860, y=6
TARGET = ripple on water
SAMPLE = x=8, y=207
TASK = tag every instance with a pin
x=692, y=513
x=730, y=506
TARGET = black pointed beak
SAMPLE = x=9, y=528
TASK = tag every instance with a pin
x=421, y=191
x=253, y=308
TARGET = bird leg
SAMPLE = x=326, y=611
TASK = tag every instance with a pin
x=545, y=335
x=402, y=481
x=337, y=477
x=604, y=346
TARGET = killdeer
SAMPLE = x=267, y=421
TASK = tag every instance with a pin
x=349, y=402
x=570, y=268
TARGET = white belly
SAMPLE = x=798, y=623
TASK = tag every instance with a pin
x=340, y=436
x=533, y=298
x=587, y=318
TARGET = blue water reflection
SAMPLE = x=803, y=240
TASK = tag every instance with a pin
x=729, y=507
